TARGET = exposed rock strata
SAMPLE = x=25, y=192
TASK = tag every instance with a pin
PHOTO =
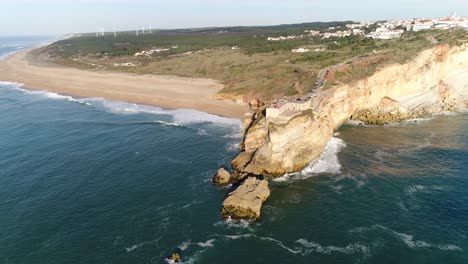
x=246, y=201
x=433, y=82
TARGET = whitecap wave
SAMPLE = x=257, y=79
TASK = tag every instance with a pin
x=327, y=162
x=164, y=123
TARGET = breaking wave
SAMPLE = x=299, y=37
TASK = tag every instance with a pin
x=163, y=123
x=328, y=162
x=179, y=116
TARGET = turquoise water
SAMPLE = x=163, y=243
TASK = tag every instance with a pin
x=95, y=181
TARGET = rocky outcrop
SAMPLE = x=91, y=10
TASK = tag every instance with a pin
x=255, y=103
x=246, y=201
x=433, y=82
x=222, y=177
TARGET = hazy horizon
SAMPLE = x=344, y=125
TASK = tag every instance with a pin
x=54, y=17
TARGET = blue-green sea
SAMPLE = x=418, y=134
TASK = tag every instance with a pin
x=86, y=180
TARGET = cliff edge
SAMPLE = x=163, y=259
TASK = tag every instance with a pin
x=435, y=81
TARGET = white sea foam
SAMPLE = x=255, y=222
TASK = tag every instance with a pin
x=202, y=132
x=206, y=244
x=233, y=146
x=163, y=123
x=180, y=116
x=418, y=120
x=354, y=123
x=185, y=245
x=231, y=223
x=307, y=246
x=327, y=162
x=132, y=248
x=412, y=243
x=234, y=135
x=415, y=188
x=13, y=85
x=349, y=249
x=270, y=239
x=279, y=243
x=408, y=239
x=47, y=94
x=235, y=237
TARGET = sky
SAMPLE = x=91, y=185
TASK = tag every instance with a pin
x=53, y=17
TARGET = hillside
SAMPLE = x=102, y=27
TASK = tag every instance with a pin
x=248, y=64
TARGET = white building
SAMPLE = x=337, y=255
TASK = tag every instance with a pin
x=300, y=50
x=424, y=24
x=384, y=33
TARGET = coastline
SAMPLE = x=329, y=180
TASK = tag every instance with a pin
x=163, y=91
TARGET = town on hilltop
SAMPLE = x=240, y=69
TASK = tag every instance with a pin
x=382, y=29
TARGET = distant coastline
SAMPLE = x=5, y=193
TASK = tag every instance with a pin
x=164, y=91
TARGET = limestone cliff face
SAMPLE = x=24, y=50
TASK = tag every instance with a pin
x=433, y=82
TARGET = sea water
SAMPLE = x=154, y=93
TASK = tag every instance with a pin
x=87, y=180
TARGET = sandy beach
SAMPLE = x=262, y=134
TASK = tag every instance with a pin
x=163, y=91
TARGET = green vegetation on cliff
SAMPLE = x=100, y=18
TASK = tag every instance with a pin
x=243, y=58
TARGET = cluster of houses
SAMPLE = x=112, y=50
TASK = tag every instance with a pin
x=385, y=29
x=385, y=33
x=445, y=23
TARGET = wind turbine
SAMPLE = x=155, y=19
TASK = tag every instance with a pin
x=150, y=28
x=137, y=32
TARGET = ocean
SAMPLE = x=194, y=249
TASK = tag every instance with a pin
x=87, y=180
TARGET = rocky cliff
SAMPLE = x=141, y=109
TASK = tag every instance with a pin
x=433, y=82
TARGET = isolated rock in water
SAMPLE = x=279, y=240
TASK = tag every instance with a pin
x=222, y=177
x=246, y=201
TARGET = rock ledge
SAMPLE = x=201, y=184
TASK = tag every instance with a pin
x=246, y=201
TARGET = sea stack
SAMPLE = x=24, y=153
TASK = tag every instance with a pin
x=222, y=177
x=246, y=201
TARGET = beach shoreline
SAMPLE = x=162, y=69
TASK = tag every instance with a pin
x=169, y=92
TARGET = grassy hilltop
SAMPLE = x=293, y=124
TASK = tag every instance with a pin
x=242, y=57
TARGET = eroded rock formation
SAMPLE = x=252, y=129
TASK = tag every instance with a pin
x=433, y=82
x=246, y=201
x=222, y=177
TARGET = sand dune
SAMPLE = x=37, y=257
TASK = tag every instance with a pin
x=164, y=91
